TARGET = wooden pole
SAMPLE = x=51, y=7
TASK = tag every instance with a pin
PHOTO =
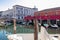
x=14, y=21
x=35, y=29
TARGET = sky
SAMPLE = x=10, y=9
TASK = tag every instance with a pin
x=40, y=4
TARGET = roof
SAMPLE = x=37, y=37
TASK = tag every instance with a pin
x=25, y=7
x=51, y=9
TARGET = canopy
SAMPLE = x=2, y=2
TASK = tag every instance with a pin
x=57, y=16
x=51, y=17
x=28, y=18
x=44, y=17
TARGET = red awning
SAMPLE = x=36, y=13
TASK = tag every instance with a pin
x=44, y=17
x=28, y=18
x=57, y=16
x=38, y=17
x=51, y=17
x=54, y=17
x=41, y=17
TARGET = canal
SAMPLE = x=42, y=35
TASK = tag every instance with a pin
x=9, y=30
x=3, y=35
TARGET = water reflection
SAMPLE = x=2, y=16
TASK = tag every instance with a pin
x=3, y=35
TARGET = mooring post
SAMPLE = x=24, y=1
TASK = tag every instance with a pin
x=35, y=29
x=14, y=21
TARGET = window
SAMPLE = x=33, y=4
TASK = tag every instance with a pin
x=26, y=12
x=20, y=11
x=18, y=17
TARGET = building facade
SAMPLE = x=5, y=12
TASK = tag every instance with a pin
x=8, y=13
x=22, y=11
x=49, y=16
x=51, y=11
x=19, y=12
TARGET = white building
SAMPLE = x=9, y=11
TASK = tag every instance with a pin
x=8, y=13
x=19, y=12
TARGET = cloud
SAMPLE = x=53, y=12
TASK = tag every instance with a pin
x=41, y=4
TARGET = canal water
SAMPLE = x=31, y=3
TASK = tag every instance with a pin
x=9, y=30
x=3, y=35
